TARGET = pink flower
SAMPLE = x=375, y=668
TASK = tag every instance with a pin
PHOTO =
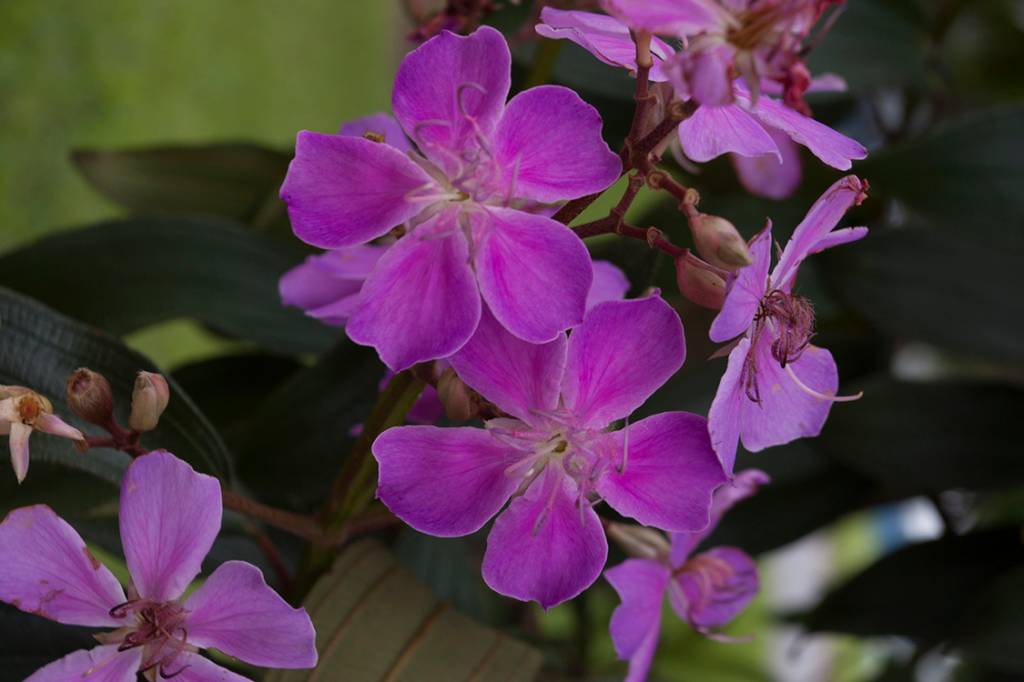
x=23, y=411
x=707, y=590
x=554, y=456
x=466, y=235
x=169, y=517
x=778, y=386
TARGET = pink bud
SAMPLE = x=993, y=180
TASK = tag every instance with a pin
x=718, y=241
x=149, y=400
x=89, y=396
x=700, y=284
x=638, y=541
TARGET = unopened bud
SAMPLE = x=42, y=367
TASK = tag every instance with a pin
x=700, y=284
x=719, y=242
x=149, y=400
x=640, y=542
x=456, y=397
x=90, y=397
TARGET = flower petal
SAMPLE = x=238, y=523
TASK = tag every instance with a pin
x=745, y=292
x=726, y=408
x=421, y=302
x=52, y=424
x=46, y=569
x=713, y=131
x=636, y=622
x=534, y=274
x=443, y=481
x=609, y=284
x=194, y=668
x=235, y=612
x=618, y=357
x=767, y=176
x=668, y=471
x=517, y=376
x=836, y=238
x=102, y=664
x=450, y=89
x=343, y=191
x=378, y=124
x=170, y=516
x=679, y=17
x=721, y=583
x=544, y=547
x=18, y=443
x=834, y=148
x=549, y=145
x=322, y=281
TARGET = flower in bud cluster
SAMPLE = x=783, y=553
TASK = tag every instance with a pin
x=456, y=397
x=149, y=400
x=90, y=397
x=718, y=241
x=699, y=283
x=23, y=411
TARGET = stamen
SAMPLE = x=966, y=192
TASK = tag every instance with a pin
x=625, y=448
x=821, y=396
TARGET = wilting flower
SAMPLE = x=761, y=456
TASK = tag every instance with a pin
x=553, y=455
x=707, y=590
x=23, y=411
x=480, y=162
x=778, y=386
x=169, y=518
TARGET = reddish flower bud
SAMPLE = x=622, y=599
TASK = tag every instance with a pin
x=149, y=400
x=89, y=396
x=456, y=397
x=699, y=284
x=718, y=241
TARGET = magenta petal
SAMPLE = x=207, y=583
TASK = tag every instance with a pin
x=170, y=516
x=835, y=149
x=618, y=357
x=720, y=584
x=549, y=145
x=708, y=78
x=46, y=569
x=534, y=274
x=679, y=17
x=343, y=191
x=517, y=376
x=102, y=664
x=194, y=668
x=636, y=622
x=726, y=408
x=421, y=302
x=378, y=124
x=713, y=131
x=544, y=547
x=610, y=284
x=328, y=278
x=767, y=176
x=745, y=292
x=668, y=471
x=235, y=612
x=443, y=481
x=847, y=235
x=451, y=87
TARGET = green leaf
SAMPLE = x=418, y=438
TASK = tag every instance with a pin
x=29, y=642
x=374, y=621
x=124, y=275
x=40, y=347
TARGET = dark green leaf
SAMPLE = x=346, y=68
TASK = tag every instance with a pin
x=993, y=632
x=29, y=642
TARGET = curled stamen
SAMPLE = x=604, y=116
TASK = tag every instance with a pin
x=821, y=396
x=122, y=610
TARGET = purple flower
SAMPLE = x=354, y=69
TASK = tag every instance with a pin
x=707, y=590
x=466, y=235
x=778, y=386
x=169, y=517
x=553, y=455
x=23, y=411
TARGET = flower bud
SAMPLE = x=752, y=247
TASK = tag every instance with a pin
x=700, y=284
x=149, y=400
x=638, y=541
x=456, y=397
x=89, y=396
x=719, y=242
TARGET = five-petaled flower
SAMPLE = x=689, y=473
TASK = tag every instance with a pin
x=553, y=455
x=466, y=200
x=707, y=590
x=23, y=411
x=169, y=516
x=777, y=386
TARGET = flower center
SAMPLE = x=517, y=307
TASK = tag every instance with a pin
x=159, y=627
x=790, y=320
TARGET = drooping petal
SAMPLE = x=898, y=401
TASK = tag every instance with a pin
x=636, y=622
x=618, y=357
x=192, y=667
x=421, y=302
x=46, y=569
x=378, y=124
x=678, y=17
x=766, y=176
x=534, y=274
x=50, y=423
x=517, y=376
x=450, y=89
x=443, y=481
x=544, y=547
x=235, y=612
x=661, y=471
x=548, y=144
x=170, y=516
x=823, y=217
x=610, y=284
x=745, y=292
x=18, y=443
x=726, y=408
x=713, y=131
x=847, y=235
x=325, y=280
x=102, y=664
x=718, y=585
x=343, y=191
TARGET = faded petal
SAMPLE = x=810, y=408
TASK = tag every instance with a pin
x=713, y=131
x=343, y=191
x=449, y=88
x=517, y=376
x=170, y=516
x=194, y=668
x=534, y=274
x=834, y=148
x=544, y=547
x=767, y=176
x=745, y=292
x=636, y=622
x=18, y=443
x=378, y=124
x=421, y=302
x=46, y=569
x=618, y=357
x=443, y=481
x=102, y=664
x=679, y=17
x=718, y=585
x=668, y=471
x=235, y=612
x=609, y=284
x=549, y=146
x=55, y=426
